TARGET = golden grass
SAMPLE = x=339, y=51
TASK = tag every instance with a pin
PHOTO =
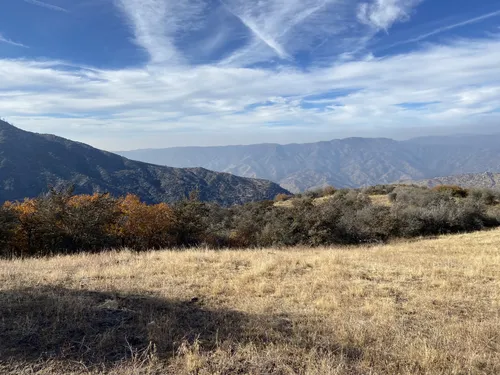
x=379, y=200
x=422, y=307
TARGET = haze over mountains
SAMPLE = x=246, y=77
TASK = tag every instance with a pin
x=351, y=162
x=31, y=162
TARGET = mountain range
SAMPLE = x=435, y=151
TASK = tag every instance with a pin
x=30, y=163
x=350, y=162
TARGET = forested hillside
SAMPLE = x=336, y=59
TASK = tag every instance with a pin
x=30, y=163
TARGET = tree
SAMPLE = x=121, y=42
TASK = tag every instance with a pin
x=144, y=227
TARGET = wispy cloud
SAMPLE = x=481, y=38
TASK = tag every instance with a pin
x=158, y=23
x=276, y=29
x=283, y=29
x=46, y=5
x=447, y=28
x=382, y=14
x=11, y=42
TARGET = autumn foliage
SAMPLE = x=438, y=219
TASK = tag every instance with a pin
x=63, y=223
x=453, y=190
x=143, y=226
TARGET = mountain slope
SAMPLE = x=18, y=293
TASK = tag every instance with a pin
x=350, y=162
x=471, y=180
x=31, y=162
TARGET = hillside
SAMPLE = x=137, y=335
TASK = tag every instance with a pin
x=470, y=180
x=309, y=311
x=351, y=162
x=31, y=162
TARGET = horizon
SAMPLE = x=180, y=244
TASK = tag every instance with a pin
x=133, y=74
x=264, y=143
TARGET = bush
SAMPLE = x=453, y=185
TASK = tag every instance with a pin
x=248, y=222
x=282, y=197
x=329, y=190
x=8, y=223
x=313, y=194
x=378, y=189
x=418, y=197
x=438, y=217
x=488, y=197
x=336, y=221
x=453, y=190
x=61, y=222
x=142, y=226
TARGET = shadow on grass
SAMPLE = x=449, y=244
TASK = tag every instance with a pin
x=98, y=328
x=101, y=329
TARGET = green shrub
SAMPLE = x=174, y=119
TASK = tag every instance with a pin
x=8, y=223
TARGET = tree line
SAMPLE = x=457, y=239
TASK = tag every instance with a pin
x=61, y=222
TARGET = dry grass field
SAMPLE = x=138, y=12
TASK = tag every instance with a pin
x=422, y=307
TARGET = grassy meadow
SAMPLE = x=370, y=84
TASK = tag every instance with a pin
x=427, y=306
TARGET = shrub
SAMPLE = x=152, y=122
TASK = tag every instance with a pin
x=453, y=190
x=378, y=189
x=486, y=196
x=143, y=226
x=336, y=222
x=445, y=216
x=248, y=222
x=329, y=190
x=313, y=194
x=8, y=223
x=282, y=197
x=61, y=222
x=418, y=197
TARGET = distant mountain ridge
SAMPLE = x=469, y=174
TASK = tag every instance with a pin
x=487, y=180
x=30, y=162
x=351, y=162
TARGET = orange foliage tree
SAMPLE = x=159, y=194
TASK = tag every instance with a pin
x=24, y=234
x=143, y=226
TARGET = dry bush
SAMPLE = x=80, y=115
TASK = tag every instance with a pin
x=282, y=197
x=453, y=190
x=488, y=197
x=328, y=190
x=63, y=223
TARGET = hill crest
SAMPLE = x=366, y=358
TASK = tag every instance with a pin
x=30, y=162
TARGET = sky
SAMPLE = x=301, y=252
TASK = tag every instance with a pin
x=129, y=74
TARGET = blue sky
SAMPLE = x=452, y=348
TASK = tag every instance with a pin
x=125, y=74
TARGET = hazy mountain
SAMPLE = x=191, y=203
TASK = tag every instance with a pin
x=350, y=162
x=469, y=180
x=31, y=162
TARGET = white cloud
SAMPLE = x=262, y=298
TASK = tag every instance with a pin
x=46, y=5
x=171, y=95
x=382, y=14
x=460, y=80
x=11, y=42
